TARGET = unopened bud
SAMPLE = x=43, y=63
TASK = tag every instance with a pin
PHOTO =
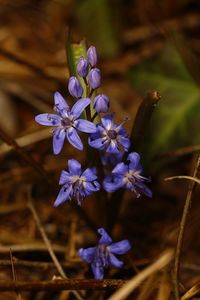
x=94, y=78
x=74, y=87
x=101, y=103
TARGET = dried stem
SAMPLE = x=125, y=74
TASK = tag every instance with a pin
x=10, y=141
x=182, y=230
x=65, y=284
x=14, y=275
x=47, y=243
x=184, y=177
x=133, y=283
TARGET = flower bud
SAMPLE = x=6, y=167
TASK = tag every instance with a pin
x=82, y=67
x=94, y=78
x=92, y=56
x=101, y=103
x=74, y=87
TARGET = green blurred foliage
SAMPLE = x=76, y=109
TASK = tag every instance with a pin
x=175, y=122
x=96, y=22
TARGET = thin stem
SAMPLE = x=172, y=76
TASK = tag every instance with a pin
x=14, y=275
x=182, y=230
x=65, y=284
x=47, y=242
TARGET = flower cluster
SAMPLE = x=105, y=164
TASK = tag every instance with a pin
x=106, y=136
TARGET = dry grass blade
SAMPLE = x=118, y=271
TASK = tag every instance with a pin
x=184, y=177
x=27, y=140
x=132, y=284
x=164, y=288
x=147, y=287
x=48, y=244
x=182, y=229
x=194, y=291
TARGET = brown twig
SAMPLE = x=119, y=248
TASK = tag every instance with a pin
x=179, y=152
x=183, y=177
x=47, y=243
x=65, y=284
x=10, y=141
x=73, y=263
x=133, y=283
x=182, y=230
x=14, y=275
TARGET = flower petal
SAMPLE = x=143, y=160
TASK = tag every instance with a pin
x=87, y=254
x=60, y=102
x=120, y=168
x=105, y=238
x=120, y=247
x=74, y=167
x=97, y=144
x=112, y=148
x=63, y=195
x=107, y=121
x=48, y=119
x=79, y=106
x=98, y=271
x=115, y=262
x=89, y=174
x=86, y=126
x=64, y=177
x=74, y=139
x=92, y=187
x=134, y=158
x=111, y=184
x=58, y=140
x=144, y=189
x=125, y=142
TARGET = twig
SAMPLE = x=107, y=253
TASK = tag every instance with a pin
x=10, y=141
x=35, y=69
x=179, y=152
x=182, y=230
x=27, y=140
x=65, y=284
x=73, y=263
x=14, y=275
x=142, y=33
x=31, y=247
x=194, y=291
x=132, y=284
x=47, y=243
x=183, y=177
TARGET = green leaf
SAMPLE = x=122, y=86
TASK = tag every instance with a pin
x=175, y=122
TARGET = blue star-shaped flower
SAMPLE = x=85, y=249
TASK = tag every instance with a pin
x=67, y=122
x=128, y=176
x=76, y=184
x=110, y=136
x=103, y=255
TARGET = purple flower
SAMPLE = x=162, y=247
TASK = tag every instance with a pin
x=128, y=176
x=82, y=67
x=101, y=103
x=110, y=136
x=76, y=184
x=92, y=56
x=74, y=87
x=103, y=255
x=94, y=78
x=67, y=122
